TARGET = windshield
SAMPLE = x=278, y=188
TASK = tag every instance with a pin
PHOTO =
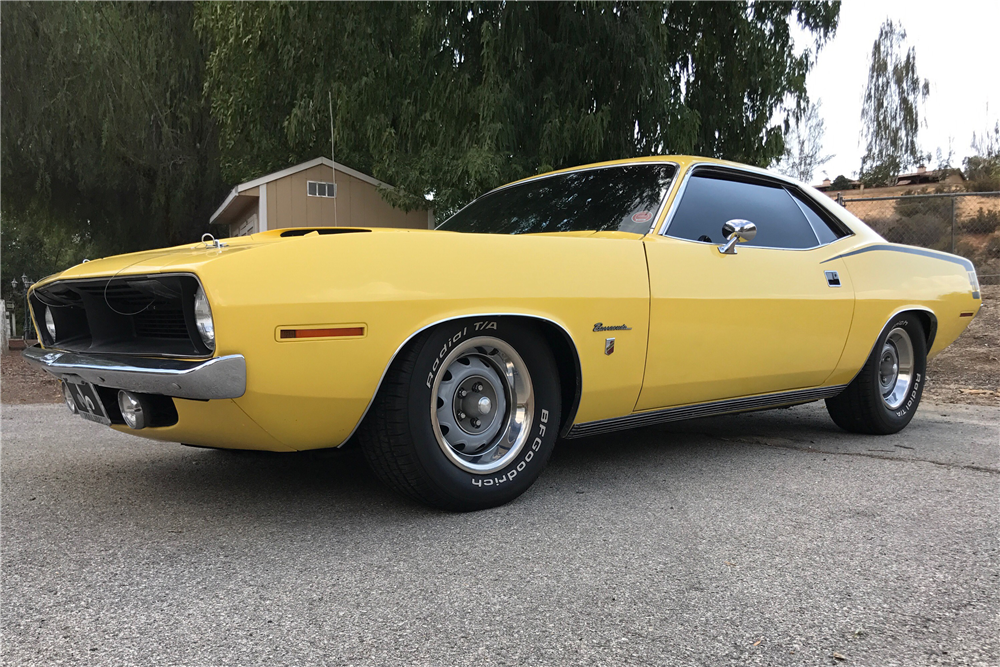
x=608, y=199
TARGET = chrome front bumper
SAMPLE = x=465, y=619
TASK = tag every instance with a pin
x=219, y=377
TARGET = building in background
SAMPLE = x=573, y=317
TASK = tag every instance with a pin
x=922, y=181
x=305, y=196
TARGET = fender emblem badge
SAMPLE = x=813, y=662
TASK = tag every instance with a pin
x=609, y=346
x=600, y=326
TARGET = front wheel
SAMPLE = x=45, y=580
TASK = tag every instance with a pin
x=884, y=396
x=467, y=416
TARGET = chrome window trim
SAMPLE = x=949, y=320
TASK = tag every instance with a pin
x=530, y=179
x=579, y=371
x=798, y=207
x=802, y=207
x=665, y=227
x=666, y=196
x=677, y=198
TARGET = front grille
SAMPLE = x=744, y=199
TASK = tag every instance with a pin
x=152, y=315
x=163, y=322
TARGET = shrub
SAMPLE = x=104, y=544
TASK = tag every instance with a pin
x=993, y=246
x=984, y=222
x=908, y=206
x=881, y=224
x=841, y=183
x=967, y=249
x=929, y=231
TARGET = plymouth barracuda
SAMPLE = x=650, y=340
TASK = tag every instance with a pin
x=569, y=304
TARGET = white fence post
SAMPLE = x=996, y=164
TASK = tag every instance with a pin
x=3, y=329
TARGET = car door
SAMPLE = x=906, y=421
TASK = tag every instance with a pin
x=772, y=317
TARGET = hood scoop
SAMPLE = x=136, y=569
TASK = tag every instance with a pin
x=322, y=231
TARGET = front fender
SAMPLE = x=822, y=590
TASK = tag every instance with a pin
x=311, y=393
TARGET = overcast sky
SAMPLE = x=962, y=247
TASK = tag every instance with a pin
x=956, y=46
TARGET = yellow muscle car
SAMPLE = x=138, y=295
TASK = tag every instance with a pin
x=569, y=304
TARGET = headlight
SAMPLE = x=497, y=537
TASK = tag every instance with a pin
x=203, y=318
x=50, y=324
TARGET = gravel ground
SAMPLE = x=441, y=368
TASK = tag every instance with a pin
x=21, y=384
x=765, y=539
x=968, y=370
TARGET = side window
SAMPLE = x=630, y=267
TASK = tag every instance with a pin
x=824, y=232
x=708, y=202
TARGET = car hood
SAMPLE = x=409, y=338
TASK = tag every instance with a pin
x=193, y=257
x=190, y=257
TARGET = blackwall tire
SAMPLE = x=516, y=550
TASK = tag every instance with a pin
x=467, y=415
x=884, y=396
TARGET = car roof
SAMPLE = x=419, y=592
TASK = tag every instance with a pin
x=682, y=162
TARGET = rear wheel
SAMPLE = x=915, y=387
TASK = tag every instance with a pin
x=467, y=415
x=884, y=396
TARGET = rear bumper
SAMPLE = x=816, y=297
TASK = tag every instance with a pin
x=216, y=378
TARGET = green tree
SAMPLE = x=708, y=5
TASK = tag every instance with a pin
x=804, y=143
x=982, y=170
x=841, y=183
x=105, y=133
x=890, y=113
x=451, y=99
x=34, y=246
x=119, y=120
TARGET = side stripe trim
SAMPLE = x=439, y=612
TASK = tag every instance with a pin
x=703, y=410
x=909, y=250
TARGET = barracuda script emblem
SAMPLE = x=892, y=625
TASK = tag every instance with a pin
x=616, y=327
x=609, y=346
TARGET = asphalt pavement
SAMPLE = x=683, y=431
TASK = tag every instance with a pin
x=764, y=539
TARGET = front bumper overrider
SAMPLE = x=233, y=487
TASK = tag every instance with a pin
x=216, y=378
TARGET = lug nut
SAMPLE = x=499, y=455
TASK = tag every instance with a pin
x=462, y=393
x=461, y=415
x=476, y=423
x=477, y=387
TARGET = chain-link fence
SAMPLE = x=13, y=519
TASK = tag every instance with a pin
x=964, y=223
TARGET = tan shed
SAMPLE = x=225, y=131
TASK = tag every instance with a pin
x=311, y=195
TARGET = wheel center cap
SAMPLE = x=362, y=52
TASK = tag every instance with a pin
x=889, y=366
x=485, y=405
x=475, y=404
x=888, y=369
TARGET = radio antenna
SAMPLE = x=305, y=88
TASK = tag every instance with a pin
x=333, y=159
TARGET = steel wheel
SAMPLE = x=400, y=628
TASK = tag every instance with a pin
x=482, y=405
x=466, y=419
x=895, y=368
x=884, y=395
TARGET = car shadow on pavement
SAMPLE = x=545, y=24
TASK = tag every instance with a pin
x=340, y=482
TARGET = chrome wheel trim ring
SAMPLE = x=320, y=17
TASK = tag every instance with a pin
x=895, y=370
x=493, y=445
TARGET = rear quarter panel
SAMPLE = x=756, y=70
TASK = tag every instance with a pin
x=890, y=278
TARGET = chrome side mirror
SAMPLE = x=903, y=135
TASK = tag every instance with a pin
x=736, y=231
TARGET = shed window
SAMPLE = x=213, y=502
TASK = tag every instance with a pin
x=318, y=189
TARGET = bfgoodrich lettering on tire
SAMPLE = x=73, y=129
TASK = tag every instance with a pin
x=467, y=415
x=884, y=396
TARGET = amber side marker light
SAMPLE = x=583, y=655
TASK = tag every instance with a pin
x=339, y=332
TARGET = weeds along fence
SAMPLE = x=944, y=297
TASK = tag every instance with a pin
x=963, y=223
